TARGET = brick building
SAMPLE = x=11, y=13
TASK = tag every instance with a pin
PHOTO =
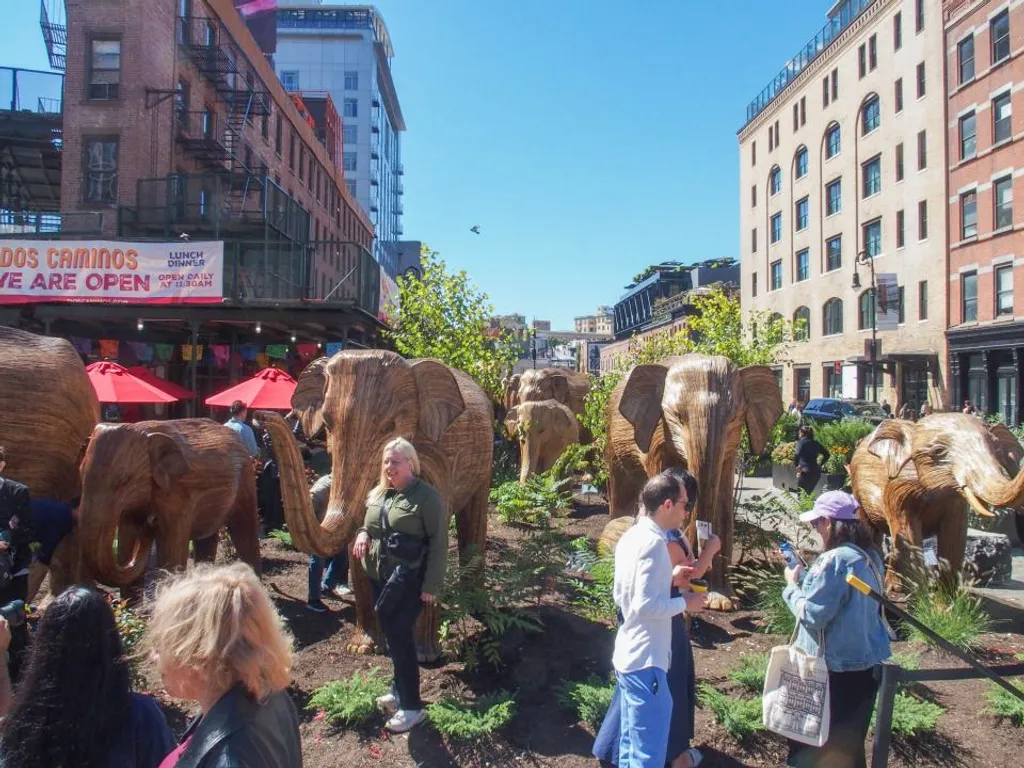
x=984, y=72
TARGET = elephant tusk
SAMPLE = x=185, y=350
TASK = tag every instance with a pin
x=975, y=502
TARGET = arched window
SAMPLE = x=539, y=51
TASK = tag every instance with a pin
x=866, y=310
x=802, y=324
x=832, y=317
x=775, y=181
x=800, y=164
x=870, y=115
x=833, y=140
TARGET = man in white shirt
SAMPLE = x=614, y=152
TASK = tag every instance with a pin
x=643, y=644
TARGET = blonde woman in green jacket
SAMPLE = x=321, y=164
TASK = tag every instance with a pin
x=404, y=547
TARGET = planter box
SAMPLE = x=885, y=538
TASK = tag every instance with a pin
x=784, y=477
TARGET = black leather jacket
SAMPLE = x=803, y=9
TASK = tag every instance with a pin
x=239, y=732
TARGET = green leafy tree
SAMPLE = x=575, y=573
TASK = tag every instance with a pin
x=444, y=315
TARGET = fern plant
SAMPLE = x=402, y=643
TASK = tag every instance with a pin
x=588, y=699
x=740, y=716
x=749, y=673
x=462, y=721
x=281, y=535
x=593, y=589
x=1003, y=704
x=350, y=702
x=911, y=716
x=533, y=503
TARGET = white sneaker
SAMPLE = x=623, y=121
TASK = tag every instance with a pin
x=388, y=704
x=405, y=720
x=341, y=590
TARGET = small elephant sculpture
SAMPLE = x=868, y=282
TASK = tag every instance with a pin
x=567, y=387
x=165, y=481
x=544, y=429
x=916, y=479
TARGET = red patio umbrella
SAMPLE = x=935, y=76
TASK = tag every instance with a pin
x=141, y=372
x=114, y=384
x=271, y=389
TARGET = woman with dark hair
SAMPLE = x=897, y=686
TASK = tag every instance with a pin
x=808, y=468
x=846, y=627
x=74, y=707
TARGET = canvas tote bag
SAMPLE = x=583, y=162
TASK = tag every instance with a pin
x=795, y=702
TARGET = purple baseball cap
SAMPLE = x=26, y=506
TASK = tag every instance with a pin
x=835, y=505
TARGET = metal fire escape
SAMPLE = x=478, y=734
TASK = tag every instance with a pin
x=54, y=25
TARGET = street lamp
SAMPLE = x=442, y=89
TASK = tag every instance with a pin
x=864, y=258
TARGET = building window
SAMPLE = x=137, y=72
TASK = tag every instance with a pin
x=832, y=317
x=833, y=197
x=101, y=171
x=922, y=300
x=802, y=384
x=965, y=59
x=753, y=153
x=753, y=195
x=207, y=123
x=1004, y=290
x=901, y=316
x=802, y=324
x=1003, y=194
x=999, y=33
x=291, y=151
x=968, y=215
x=302, y=163
x=290, y=80
x=104, y=69
x=922, y=151
x=753, y=284
x=968, y=136
x=181, y=102
x=775, y=181
x=834, y=253
x=872, y=53
x=866, y=310
x=969, y=297
x=900, y=228
x=897, y=31
x=1002, y=117
x=803, y=265
x=833, y=141
x=870, y=116
x=898, y=94
x=278, y=134
x=872, y=234
x=919, y=15
x=350, y=134
x=776, y=275
x=265, y=128
x=803, y=111
x=771, y=137
x=776, y=228
x=802, y=208
x=184, y=14
x=920, y=81
x=351, y=108
x=352, y=187
x=922, y=220
x=351, y=81
x=835, y=83
x=796, y=116
x=753, y=240
x=801, y=162
x=862, y=61
x=350, y=161
x=871, y=177
x=899, y=162
x=824, y=91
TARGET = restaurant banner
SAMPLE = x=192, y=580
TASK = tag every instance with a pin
x=111, y=272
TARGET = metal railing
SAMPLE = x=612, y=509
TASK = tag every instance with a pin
x=30, y=90
x=836, y=25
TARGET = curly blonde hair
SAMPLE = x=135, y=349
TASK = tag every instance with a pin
x=219, y=621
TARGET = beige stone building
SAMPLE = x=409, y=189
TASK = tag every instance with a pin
x=602, y=321
x=842, y=159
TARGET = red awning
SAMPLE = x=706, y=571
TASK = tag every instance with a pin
x=114, y=384
x=141, y=372
x=270, y=389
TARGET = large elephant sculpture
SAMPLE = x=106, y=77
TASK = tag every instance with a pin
x=48, y=409
x=544, y=430
x=567, y=387
x=917, y=479
x=689, y=411
x=171, y=482
x=368, y=397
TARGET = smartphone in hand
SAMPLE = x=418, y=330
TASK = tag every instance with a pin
x=789, y=554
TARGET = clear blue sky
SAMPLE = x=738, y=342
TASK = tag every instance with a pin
x=586, y=138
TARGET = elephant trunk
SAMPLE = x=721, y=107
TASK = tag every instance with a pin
x=98, y=533
x=308, y=535
x=1000, y=492
x=529, y=457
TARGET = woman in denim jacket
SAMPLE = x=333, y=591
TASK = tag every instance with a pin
x=849, y=624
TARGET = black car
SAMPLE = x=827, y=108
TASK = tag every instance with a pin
x=833, y=409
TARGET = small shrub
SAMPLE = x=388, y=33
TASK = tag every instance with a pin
x=283, y=536
x=533, y=503
x=464, y=721
x=589, y=699
x=944, y=605
x=750, y=672
x=582, y=463
x=353, y=701
x=911, y=716
x=740, y=716
x=906, y=660
x=760, y=518
x=784, y=454
x=593, y=595
x=1003, y=704
x=505, y=464
x=132, y=630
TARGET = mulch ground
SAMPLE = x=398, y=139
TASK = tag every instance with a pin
x=571, y=648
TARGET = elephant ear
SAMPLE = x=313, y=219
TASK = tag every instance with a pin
x=890, y=442
x=640, y=403
x=1010, y=450
x=763, y=403
x=166, y=459
x=440, y=398
x=512, y=421
x=560, y=388
x=308, y=398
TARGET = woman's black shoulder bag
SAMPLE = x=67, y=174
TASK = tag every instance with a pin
x=397, y=546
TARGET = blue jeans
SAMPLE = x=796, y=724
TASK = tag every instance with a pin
x=337, y=573
x=646, y=717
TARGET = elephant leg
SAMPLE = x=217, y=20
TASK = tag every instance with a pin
x=366, y=638
x=905, y=531
x=205, y=550
x=952, y=535
x=721, y=597
x=471, y=528
x=623, y=491
x=428, y=643
x=244, y=529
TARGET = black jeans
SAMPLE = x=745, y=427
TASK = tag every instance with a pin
x=807, y=481
x=851, y=701
x=398, y=633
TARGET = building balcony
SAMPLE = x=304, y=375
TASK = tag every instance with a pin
x=399, y=169
x=399, y=209
x=399, y=189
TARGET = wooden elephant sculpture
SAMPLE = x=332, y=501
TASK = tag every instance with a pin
x=171, y=482
x=48, y=409
x=917, y=479
x=689, y=411
x=544, y=429
x=366, y=398
x=567, y=387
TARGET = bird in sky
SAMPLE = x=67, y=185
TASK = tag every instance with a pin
x=475, y=229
